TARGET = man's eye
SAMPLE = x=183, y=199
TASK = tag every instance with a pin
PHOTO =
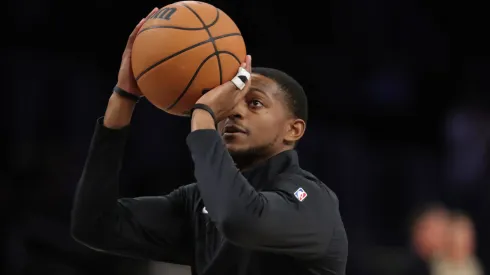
x=255, y=103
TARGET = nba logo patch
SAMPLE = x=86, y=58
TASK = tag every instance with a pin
x=300, y=194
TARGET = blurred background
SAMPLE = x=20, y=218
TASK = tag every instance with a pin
x=400, y=125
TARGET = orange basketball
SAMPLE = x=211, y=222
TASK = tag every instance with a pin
x=183, y=51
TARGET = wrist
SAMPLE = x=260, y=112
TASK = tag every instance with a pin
x=202, y=119
x=128, y=87
x=119, y=112
x=117, y=99
x=123, y=93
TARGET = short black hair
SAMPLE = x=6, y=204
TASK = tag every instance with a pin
x=295, y=95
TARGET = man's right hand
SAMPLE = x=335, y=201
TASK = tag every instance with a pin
x=126, y=79
x=119, y=110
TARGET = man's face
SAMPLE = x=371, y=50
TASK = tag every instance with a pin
x=460, y=242
x=257, y=126
x=430, y=231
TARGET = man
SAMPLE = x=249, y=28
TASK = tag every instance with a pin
x=428, y=233
x=253, y=210
x=458, y=255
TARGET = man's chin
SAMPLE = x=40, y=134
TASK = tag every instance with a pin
x=235, y=147
x=235, y=139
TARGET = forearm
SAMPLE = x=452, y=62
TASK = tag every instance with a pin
x=97, y=191
x=225, y=191
x=119, y=112
x=143, y=227
x=202, y=120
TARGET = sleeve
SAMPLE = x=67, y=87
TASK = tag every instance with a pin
x=273, y=221
x=146, y=227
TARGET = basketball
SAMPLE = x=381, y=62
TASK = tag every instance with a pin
x=184, y=50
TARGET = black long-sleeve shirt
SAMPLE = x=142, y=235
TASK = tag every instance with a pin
x=256, y=221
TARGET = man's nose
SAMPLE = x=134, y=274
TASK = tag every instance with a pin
x=239, y=111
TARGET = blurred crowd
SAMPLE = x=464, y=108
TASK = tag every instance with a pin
x=444, y=243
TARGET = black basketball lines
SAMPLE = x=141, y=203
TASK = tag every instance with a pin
x=186, y=49
x=210, y=40
x=184, y=28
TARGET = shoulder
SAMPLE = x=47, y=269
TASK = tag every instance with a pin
x=310, y=195
x=298, y=180
x=189, y=192
x=188, y=188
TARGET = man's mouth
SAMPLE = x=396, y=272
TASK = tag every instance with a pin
x=233, y=129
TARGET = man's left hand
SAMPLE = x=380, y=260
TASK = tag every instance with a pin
x=223, y=99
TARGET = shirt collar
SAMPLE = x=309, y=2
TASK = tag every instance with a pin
x=266, y=171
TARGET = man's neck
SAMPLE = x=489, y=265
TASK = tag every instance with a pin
x=248, y=161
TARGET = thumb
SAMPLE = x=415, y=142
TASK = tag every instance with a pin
x=229, y=87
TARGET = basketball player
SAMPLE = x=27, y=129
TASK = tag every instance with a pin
x=253, y=210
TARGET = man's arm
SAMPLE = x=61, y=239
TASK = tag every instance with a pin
x=270, y=221
x=148, y=227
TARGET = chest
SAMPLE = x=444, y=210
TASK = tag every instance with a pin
x=215, y=255
x=207, y=239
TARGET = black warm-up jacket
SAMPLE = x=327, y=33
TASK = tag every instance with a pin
x=274, y=218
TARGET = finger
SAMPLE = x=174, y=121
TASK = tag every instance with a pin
x=248, y=67
x=241, y=79
x=245, y=89
x=248, y=62
x=136, y=29
x=152, y=12
x=133, y=34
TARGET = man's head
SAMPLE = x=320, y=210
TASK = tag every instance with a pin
x=271, y=118
x=460, y=239
x=428, y=231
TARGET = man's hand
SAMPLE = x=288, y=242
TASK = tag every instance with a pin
x=222, y=100
x=119, y=109
x=126, y=79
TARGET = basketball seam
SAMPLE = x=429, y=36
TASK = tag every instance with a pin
x=182, y=51
x=184, y=28
x=212, y=40
x=197, y=72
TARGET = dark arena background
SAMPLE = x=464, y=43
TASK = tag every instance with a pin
x=399, y=124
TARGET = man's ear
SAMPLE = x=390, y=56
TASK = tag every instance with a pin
x=295, y=131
